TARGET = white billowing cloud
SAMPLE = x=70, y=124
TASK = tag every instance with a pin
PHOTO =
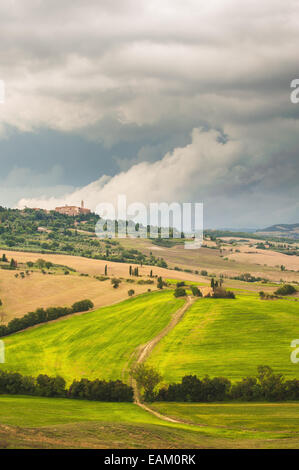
x=179, y=176
x=224, y=175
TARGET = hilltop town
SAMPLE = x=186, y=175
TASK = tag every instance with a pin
x=67, y=210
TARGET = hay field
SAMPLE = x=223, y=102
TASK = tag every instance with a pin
x=20, y=296
x=262, y=257
x=97, y=267
x=211, y=260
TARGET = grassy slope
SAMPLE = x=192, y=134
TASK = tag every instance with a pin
x=230, y=338
x=96, y=344
x=63, y=423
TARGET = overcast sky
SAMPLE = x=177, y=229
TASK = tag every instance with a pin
x=160, y=100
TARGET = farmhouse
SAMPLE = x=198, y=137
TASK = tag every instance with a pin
x=72, y=210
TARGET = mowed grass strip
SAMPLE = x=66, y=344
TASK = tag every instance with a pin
x=97, y=344
x=37, y=411
x=230, y=338
x=264, y=417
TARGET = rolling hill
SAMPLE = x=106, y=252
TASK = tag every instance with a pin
x=230, y=338
x=98, y=344
x=52, y=288
x=281, y=230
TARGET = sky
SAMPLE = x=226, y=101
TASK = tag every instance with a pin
x=162, y=101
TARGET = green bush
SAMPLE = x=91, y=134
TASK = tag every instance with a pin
x=180, y=292
x=287, y=289
x=180, y=284
x=82, y=306
x=220, y=293
x=195, y=291
x=115, y=282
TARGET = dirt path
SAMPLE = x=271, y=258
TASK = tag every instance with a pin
x=144, y=351
x=147, y=348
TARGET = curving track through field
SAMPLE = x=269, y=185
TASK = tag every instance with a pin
x=144, y=351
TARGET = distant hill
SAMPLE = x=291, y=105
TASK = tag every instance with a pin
x=282, y=230
x=234, y=229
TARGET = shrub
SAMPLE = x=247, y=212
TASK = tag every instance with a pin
x=100, y=278
x=115, y=282
x=180, y=292
x=82, y=306
x=221, y=293
x=180, y=284
x=287, y=289
x=195, y=291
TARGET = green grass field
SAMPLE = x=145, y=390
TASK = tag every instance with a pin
x=97, y=344
x=35, y=422
x=239, y=416
x=38, y=411
x=230, y=338
x=187, y=283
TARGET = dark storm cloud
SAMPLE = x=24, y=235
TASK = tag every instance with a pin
x=129, y=80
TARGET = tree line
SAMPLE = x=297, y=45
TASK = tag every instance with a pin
x=41, y=315
x=265, y=386
x=44, y=386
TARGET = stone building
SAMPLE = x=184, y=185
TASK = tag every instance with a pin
x=72, y=210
